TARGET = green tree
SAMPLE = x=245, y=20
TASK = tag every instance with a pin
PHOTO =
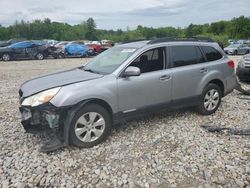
x=46, y=29
x=90, y=29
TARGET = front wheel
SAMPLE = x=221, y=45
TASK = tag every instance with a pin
x=210, y=99
x=40, y=56
x=5, y=57
x=90, y=126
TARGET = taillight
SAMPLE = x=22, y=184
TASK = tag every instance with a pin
x=231, y=64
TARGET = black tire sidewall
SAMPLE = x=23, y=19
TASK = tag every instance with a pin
x=90, y=108
x=201, y=108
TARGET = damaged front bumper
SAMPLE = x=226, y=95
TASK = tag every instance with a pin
x=42, y=117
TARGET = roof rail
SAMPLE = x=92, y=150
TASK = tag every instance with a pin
x=129, y=41
x=170, y=39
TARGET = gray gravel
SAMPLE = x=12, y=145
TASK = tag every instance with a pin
x=164, y=150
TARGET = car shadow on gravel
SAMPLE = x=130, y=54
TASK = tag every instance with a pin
x=150, y=118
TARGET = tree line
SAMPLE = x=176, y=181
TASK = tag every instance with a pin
x=221, y=31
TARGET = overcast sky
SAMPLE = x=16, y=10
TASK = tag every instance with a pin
x=113, y=14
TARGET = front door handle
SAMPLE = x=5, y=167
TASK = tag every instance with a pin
x=165, y=77
x=203, y=70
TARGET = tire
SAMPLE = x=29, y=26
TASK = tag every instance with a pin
x=60, y=56
x=85, y=55
x=235, y=52
x=81, y=123
x=39, y=56
x=6, y=57
x=240, y=87
x=247, y=52
x=208, y=105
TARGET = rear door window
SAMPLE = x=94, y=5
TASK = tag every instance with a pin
x=200, y=57
x=211, y=53
x=183, y=55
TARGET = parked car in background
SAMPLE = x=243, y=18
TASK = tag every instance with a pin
x=11, y=41
x=51, y=42
x=61, y=44
x=72, y=50
x=96, y=42
x=243, y=69
x=78, y=42
x=237, y=49
x=24, y=50
x=127, y=80
x=106, y=44
x=231, y=41
x=97, y=48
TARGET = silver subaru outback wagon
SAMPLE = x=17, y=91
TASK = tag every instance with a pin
x=126, y=80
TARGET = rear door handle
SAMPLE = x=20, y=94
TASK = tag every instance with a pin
x=165, y=77
x=203, y=70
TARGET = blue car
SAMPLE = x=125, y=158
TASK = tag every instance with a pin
x=73, y=50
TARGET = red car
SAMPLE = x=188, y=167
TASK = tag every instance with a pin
x=96, y=47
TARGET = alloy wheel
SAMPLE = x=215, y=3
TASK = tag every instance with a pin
x=89, y=127
x=39, y=56
x=6, y=57
x=211, y=99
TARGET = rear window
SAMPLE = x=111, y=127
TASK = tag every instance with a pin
x=211, y=53
x=185, y=55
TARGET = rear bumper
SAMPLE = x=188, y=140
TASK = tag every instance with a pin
x=231, y=84
x=243, y=74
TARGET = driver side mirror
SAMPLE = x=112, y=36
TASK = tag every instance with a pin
x=132, y=71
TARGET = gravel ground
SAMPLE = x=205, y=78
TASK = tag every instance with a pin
x=164, y=150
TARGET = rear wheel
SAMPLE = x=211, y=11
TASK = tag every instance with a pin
x=5, y=57
x=90, y=126
x=60, y=56
x=40, y=56
x=210, y=99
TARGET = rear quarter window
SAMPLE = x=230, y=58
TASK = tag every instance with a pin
x=211, y=53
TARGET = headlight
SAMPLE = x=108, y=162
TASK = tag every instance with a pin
x=40, y=98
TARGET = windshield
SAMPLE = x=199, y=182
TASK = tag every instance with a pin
x=110, y=60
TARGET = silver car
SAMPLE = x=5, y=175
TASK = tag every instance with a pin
x=237, y=49
x=243, y=69
x=127, y=80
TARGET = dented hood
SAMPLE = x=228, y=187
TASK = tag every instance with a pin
x=55, y=80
